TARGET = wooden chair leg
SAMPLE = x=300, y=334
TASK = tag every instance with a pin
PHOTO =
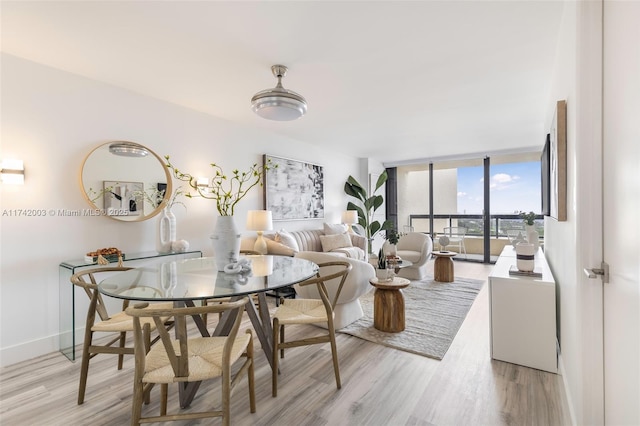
x=282, y=340
x=251, y=376
x=84, y=368
x=136, y=408
x=123, y=339
x=164, y=392
x=146, y=331
x=274, y=370
x=334, y=355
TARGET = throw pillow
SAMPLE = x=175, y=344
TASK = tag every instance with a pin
x=279, y=249
x=334, y=228
x=284, y=237
x=332, y=242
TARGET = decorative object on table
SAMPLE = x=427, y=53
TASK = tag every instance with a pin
x=516, y=236
x=104, y=256
x=558, y=163
x=536, y=273
x=443, y=241
x=532, y=235
x=393, y=236
x=242, y=266
x=427, y=335
x=180, y=246
x=166, y=228
x=227, y=192
x=259, y=221
x=525, y=257
x=382, y=261
x=369, y=203
x=293, y=189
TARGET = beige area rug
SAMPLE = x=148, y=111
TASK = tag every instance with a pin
x=433, y=314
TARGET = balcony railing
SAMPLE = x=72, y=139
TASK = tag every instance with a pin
x=500, y=223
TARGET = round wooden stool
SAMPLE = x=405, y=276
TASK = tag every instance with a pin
x=443, y=266
x=388, y=304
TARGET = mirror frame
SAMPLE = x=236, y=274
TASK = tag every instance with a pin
x=157, y=210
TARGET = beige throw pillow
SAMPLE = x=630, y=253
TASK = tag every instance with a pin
x=332, y=242
x=334, y=228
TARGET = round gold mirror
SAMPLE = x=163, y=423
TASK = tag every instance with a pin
x=125, y=181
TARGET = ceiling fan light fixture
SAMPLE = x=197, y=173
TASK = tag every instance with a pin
x=279, y=104
x=128, y=149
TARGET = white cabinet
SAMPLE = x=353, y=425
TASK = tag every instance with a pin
x=523, y=314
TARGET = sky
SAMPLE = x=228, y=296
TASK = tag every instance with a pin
x=514, y=187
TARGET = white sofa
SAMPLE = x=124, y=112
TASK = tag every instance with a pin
x=308, y=245
x=415, y=247
x=348, y=308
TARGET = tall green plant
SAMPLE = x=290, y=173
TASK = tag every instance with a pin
x=368, y=204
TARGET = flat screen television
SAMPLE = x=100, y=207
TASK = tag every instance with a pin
x=545, y=177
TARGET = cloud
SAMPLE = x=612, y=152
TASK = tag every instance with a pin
x=462, y=194
x=501, y=181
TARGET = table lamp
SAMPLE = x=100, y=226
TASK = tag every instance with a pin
x=260, y=220
x=350, y=217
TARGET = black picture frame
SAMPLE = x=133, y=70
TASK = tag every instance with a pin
x=545, y=173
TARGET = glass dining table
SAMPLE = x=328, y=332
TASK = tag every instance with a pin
x=187, y=282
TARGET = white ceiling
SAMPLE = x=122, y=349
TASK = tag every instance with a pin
x=386, y=79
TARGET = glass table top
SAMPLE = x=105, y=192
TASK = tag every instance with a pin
x=198, y=279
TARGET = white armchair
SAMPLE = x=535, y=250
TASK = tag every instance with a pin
x=415, y=247
x=348, y=308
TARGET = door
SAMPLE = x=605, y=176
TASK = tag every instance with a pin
x=621, y=213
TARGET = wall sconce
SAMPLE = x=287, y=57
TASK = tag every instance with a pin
x=12, y=172
x=349, y=217
x=260, y=220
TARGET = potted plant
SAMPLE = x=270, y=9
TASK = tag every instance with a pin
x=528, y=218
x=533, y=236
x=369, y=203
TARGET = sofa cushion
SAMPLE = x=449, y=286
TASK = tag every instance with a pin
x=334, y=228
x=336, y=241
x=284, y=237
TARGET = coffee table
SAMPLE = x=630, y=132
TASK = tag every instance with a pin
x=388, y=304
x=443, y=266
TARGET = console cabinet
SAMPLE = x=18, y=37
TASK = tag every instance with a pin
x=523, y=314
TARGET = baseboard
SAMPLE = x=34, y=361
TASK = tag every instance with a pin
x=29, y=350
x=567, y=392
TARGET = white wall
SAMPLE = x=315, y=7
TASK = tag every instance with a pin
x=51, y=120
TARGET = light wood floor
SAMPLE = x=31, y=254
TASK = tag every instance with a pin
x=380, y=386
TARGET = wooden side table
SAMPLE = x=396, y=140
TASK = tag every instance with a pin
x=388, y=304
x=443, y=266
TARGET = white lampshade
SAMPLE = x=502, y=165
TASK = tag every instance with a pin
x=350, y=217
x=260, y=220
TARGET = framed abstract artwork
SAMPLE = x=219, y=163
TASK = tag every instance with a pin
x=294, y=189
x=558, y=163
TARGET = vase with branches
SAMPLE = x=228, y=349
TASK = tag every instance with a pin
x=226, y=190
